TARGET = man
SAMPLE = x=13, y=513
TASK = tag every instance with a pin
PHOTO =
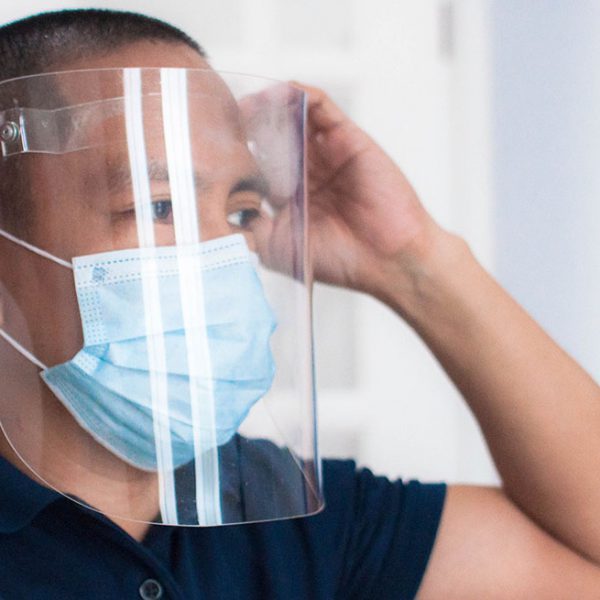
x=537, y=537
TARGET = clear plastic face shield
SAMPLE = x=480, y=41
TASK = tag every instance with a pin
x=155, y=325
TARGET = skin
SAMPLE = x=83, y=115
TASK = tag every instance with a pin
x=536, y=537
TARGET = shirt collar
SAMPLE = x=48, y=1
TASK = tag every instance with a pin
x=21, y=498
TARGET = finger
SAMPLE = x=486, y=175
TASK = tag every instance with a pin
x=272, y=120
x=324, y=113
x=333, y=137
x=277, y=95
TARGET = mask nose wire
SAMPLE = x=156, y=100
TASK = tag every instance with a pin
x=36, y=250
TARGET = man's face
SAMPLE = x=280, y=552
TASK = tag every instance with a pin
x=83, y=202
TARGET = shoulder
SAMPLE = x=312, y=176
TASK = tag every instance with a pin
x=373, y=535
x=389, y=528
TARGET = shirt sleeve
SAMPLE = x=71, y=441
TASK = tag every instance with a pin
x=388, y=533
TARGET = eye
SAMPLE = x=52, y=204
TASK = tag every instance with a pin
x=162, y=211
x=243, y=219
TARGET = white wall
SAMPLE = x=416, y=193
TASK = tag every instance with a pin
x=547, y=157
x=414, y=74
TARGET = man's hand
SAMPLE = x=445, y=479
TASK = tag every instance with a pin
x=366, y=220
x=367, y=226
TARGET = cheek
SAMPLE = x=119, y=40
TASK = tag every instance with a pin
x=60, y=325
x=252, y=241
x=78, y=231
x=42, y=311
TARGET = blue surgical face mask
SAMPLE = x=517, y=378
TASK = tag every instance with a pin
x=155, y=352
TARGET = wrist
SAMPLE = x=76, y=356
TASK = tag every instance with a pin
x=419, y=280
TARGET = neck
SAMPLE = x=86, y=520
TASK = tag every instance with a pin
x=67, y=459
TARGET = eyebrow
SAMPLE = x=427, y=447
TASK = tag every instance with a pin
x=119, y=178
x=252, y=183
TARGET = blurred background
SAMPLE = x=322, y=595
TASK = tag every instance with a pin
x=492, y=108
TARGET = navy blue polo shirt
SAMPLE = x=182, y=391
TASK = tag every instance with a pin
x=373, y=540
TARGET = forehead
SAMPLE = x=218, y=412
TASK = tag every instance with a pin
x=96, y=77
x=195, y=121
x=99, y=170
x=96, y=95
x=146, y=54
x=142, y=55
x=81, y=86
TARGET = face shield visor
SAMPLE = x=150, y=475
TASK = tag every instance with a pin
x=155, y=331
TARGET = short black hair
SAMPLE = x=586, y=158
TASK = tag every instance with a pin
x=42, y=43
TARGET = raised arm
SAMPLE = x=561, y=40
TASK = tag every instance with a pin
x=538, y=537
x=540, y=412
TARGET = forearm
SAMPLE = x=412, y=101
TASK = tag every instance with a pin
x=539, y=411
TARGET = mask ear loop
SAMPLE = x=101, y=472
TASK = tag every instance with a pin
x=36, y=250
x=20, y=349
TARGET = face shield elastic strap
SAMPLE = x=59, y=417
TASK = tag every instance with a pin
x=9, y=339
